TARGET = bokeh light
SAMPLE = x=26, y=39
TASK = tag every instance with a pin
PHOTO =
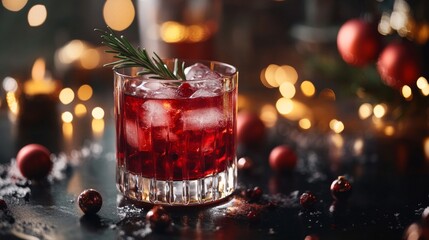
x=67, y=130
x=10, y=84
x=268, y=115
x=14, y=5
x=12, y=102
x=72, y=51
x=284, y=105
x=118, y=14
x=336, y=126
x=97, y=126
x=389, y=130
x=422, y=83
x=365, y=110
x=67, y=117
x=270, y=75
x=90, y=59
x=172, y=32
x=406, y=92
x=84, y=92
x=37, y=15
x=290, y=73
x=304, y=123
x=97, y=113
x=379, y=110
x=308, y=88
x=66, y=96
x=80, y=110
x=287, y=90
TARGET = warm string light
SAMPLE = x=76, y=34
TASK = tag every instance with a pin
x=14, y=5
x=66, y=96
x=84, y=93
x=37, y=15
x=268, y=115
x=175, y=32
x=400, y=19
x=304, y=123
x=118, y=14
x=336, y=126
x=365, y=111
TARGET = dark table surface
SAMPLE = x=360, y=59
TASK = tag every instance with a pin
x=388, y=175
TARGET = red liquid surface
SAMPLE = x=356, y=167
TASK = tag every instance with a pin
x=176, y=139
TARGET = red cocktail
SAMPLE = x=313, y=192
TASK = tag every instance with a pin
x=176, y=140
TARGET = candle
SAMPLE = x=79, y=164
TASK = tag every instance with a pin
x=38, y=98
x=40, y=82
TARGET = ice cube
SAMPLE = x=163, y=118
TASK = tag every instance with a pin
x=137, y=137
x=199, y=71
x=131, y=134
x=199, y=119
x=203, y=93
x=155, y=113
x=150, y=86
x=155, y=90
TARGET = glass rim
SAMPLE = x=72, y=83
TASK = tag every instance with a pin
x=234, y=71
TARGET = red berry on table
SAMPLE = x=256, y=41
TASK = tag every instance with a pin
x=307, y=200
x=399, y=65
x=282, y=158
x=34, y=161
x=254, y=195
x=358, y=42
x=250, y=129
x=90, y=201
x=158, y=218
x=341, y=188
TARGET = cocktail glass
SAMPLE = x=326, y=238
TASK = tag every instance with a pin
x=176, y=140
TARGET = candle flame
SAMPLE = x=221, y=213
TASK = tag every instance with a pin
x=38, y=70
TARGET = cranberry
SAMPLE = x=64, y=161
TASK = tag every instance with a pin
x=90, y=201
x=282, y=158
x=34, y=161
x=307, y=200
x=341, y=188
x=3, y=205
x=158, y=218
x=254, y=195
x=185, y=90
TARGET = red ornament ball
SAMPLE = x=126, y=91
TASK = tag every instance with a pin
x=250, y=129
x=282, y=158
x=399, y=65
x=358, y=42
x=34, y=161
x=90, y=201
x=158, y=218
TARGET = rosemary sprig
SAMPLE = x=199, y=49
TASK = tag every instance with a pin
x=129, y=56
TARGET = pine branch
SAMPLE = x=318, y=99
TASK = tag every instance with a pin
x=129, y=56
